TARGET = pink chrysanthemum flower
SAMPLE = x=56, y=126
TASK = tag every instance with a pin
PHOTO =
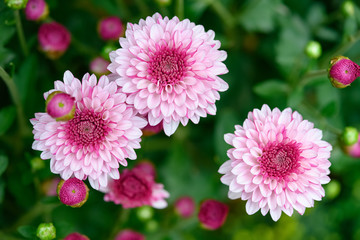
x=278, y=162
x=103, y=132
x=169, y=69
x=136, y=188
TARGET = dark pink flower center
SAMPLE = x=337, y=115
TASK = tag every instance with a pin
x=167, y=67
x=87, y=128
x=279, y=159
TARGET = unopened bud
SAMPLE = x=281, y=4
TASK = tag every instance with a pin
x=343, y=71
x=185, y=207
x=73, y=192
x=54, y=39
x=36, y=10
x=107, y=49
x=348, y=8
x=76, y=236
x=350, y=136
x=212, y=214
x=110, y=28
x=129, y=235
x=145, y=213
x=16, y=4
x=46, y=231
x=99, y=66
x=60, y=106
x=313, y=49
x=332, y=189
x=163, y=2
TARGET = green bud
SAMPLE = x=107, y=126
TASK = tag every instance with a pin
x=152, y=226
x=163, y=3
x=107, y=49
x=350, y=136
x=16, y=4
x=37, y=163
x=332, y=189
x=348, y=8
x=144, y=213
x=313, y=49
x=46, y=231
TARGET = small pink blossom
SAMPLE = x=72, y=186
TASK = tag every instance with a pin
x=110, y=28
x=76, y=236
x=129, y=235
x=73, y=192
x=278, y=162
x=103, y=133
x=136, y=188
x=169, y=70
x=36, y=10
x=185, y=206
x=54, y=39
x=212, y=214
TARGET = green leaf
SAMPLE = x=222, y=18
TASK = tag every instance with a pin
x=3, y=163
x=28, y=232
x=7, y=116
x=5, y=56
x=259, y=15
x=26, y=76
x=7, y=25
x=2, y=191
x=271, y=88
x=225, y=123
x=295, y=97
x=289, y=50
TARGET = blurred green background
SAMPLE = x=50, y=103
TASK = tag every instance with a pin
x=265, y=41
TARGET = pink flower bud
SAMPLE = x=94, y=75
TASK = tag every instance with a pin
x=185, y=207
x=54, y=39
x=110, y=28
x=49, y=187
x=60, y=106
x=147, y=167
x=36, y=10
x=343, y=71
x=149, y=130
x=73, y=192
x=350, y=142
x=212, y=214
x=99, y=66
x=76, y=236
x=129, y=235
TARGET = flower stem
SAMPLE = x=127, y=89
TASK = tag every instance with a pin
x=310, y=76
x=38, y=209
x=23, y=127
x=20, y=33
x=123, y=216
x=223, y=13
x=179, y=10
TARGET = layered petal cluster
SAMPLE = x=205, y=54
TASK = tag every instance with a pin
x=136, y=188
x=169, y=69
x=278, y=162
x=102, y=134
